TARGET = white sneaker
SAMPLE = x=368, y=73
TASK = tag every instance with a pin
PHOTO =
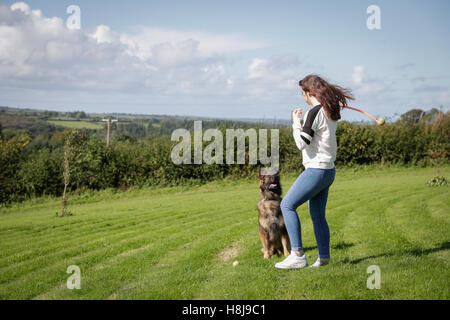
x=292, y=262
x=319, y=263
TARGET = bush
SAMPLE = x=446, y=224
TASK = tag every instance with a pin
x=42, y=173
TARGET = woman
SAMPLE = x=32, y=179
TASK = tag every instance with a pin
x=317, y=140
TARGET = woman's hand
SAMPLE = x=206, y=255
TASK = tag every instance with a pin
x=297, y=113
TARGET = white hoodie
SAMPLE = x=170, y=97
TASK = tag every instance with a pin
x=316, y=138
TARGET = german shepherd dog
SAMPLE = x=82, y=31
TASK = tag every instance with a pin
x=272, y=230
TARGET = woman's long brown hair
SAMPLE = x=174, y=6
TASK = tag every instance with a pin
x=330, y=96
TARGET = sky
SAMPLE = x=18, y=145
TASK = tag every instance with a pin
x=223, y=59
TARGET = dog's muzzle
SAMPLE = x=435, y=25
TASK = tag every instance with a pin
x=273, y=186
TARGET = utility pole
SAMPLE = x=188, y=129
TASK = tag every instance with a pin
x=109, y=120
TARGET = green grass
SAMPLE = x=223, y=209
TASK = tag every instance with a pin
x=180, y=243
x=77, y=124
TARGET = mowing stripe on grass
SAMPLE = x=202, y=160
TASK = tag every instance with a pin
x=94, y=236
x=93, y=274
x=181, y=271
x=152, y=243
x=71, y=253
x=109, y=223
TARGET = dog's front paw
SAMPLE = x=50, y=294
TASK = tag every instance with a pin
x=266, y=255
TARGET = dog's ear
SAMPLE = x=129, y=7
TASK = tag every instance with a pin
x=259, y=164
x=275, y=171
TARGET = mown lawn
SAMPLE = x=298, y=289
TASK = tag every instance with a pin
x=180, y=243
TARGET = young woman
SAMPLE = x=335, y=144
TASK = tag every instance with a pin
x=317, y=140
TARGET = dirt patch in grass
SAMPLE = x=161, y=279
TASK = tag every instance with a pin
x=229, y=252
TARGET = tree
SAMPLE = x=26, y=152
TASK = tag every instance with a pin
x=412, y=116
x=73, y=156
x=431, y=115
x=11, y=155
x=80, y=115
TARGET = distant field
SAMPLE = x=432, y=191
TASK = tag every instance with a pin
x=74, y=124
x=180, y=243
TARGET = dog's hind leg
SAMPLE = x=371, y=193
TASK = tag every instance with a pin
x=264, y=239
x=286, y=244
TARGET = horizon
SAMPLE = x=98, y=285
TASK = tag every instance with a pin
x=365, y=120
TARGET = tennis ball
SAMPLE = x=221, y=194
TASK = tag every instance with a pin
x=235, y=263
x=381, y=121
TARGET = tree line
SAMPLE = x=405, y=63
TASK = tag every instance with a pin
x=31, y=170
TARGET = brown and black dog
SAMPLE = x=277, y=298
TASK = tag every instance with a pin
x=272, y=230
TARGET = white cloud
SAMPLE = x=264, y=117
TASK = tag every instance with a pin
x=104, y=34
x=358, y=74
x=40, y=52
x=275, y=68
x=365, y=84
x=167, y=54
x=258, y=68
x=209, y=44
x=269, y=78
x=61, y=51
x=22, y=6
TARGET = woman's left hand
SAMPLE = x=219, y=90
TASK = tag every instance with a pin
x=297, y=113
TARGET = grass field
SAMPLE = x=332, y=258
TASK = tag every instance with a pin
x=77, y=124
x=180, y=243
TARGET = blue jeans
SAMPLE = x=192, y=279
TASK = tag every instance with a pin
x=312, y=186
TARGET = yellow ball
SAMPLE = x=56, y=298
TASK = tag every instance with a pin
x=381, y=121
x=235, y=263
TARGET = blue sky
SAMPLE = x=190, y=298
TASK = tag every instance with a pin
x=229, y=59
